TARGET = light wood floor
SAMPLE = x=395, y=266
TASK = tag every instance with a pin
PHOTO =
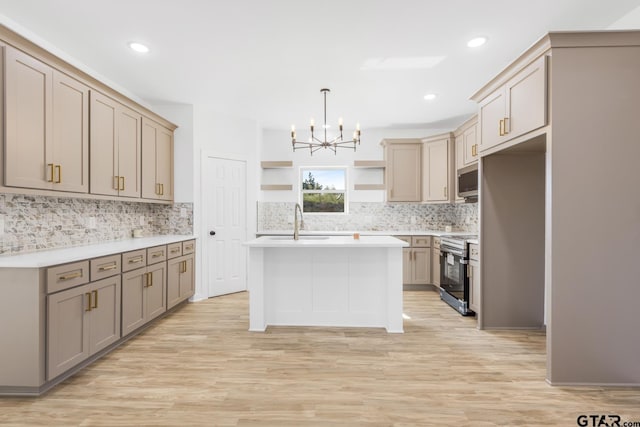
x=200, y=366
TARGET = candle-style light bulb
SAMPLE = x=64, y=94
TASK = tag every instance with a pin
x=358, y=126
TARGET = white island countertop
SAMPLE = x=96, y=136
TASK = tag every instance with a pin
x=79, y=253
x=437, y=233
x=326, y=242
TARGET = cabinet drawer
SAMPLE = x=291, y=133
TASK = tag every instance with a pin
x=436, y=243
x=188, y=247
x=67, y=276
x=156, y=254
x=174, y=250
x=105, y=267
x=404, y=238
x=134, y=259
x=474, y=252
x=421, y=241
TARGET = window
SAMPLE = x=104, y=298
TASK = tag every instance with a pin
x=324, y=190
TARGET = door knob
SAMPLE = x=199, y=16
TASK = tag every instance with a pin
x=212, y=233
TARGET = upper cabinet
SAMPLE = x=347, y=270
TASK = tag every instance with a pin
x=157, y=161
x=115, y=148
x=47, y=125
x=403, y=172
x=466, y=148
x=517, y=107
x=438, y=169
x=63, y=131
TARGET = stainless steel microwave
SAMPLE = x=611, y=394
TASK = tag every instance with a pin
x=468, y=183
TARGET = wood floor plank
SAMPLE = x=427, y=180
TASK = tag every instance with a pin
x=200, y=366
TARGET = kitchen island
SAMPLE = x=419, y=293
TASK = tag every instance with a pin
x=325, y=281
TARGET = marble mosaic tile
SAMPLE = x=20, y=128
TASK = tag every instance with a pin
x=33, y=223
x=374, y=217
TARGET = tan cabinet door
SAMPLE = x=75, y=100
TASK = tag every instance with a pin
x=70, y=134
x=67, y=329
x=187, y=278
x=490, y=116
x=129, y=152
x=104, y=145
x=105, y=313
x=404, y=172
x=174, y=267
x=155, y=294
x=470, y=146
x=133, y=307
x=437, y=171
x=28, y=97
x=422, y=265
x=526, y=99
x=157, y=161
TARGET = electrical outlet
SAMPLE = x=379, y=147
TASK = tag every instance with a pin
x=141, y=219
x=91, y=223
x=183, y=212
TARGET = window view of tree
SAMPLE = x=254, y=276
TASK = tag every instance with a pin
x=323, y=190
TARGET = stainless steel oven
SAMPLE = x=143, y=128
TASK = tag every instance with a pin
x=454, y=281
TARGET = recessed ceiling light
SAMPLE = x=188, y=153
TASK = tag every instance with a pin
x=138, y=47
x=477, y=42
x=430, y=96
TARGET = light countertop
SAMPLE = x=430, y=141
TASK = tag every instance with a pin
x=327, y=242
x=79, y=253
x=437, y=233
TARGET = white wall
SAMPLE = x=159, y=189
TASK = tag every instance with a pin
x=276, y=145
x=216, y=132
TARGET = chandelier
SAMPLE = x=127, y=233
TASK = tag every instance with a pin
x=315, y=143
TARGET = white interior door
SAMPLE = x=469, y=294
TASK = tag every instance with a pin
x=224, y=194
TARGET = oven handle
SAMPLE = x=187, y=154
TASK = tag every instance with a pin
x=443, y=252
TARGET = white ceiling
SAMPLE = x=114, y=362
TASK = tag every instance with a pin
x=268, y=59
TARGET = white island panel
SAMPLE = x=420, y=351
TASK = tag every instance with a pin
x=331, y=282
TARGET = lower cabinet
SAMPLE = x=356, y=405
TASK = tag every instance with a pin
x=416, y=260
x=81, y=321
x=143, y=296
x=180, y=279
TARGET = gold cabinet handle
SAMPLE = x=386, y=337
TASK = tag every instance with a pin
x=59, y=169
x=108, y=267
x=505, y=126
x=121, y=187
x=157, y=254
x=50, y=165
x=162, y=189
x=88, y=294
x=474, y=150
x=71, y=276
x=157, y=189
x=136, y=260
x=176, y=250
x=150, y=278
x=445, y=191
x=501, y=129
x=95, y=300
x=116, y=182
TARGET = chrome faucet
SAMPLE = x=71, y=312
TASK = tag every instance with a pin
x=297, y=226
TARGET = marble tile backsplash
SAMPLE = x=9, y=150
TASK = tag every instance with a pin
x=374, y=217
x=33, y=223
